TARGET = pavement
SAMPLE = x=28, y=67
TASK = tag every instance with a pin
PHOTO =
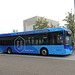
x=21, y=64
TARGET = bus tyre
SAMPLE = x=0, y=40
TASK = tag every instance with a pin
x=44, y=52
x=9, y=50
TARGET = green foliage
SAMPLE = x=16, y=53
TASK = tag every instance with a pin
x=70, y=22
x=52, y=26
x=15, y=30
x=41, y=23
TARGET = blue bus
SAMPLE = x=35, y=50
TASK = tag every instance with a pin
x=54, y=41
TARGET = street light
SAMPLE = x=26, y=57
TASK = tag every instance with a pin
x=74, y=14
x=74, y=6
x=74, y=18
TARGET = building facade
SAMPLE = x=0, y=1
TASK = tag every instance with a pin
x=29, y=24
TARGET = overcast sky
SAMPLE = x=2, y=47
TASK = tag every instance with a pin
x=13, y=12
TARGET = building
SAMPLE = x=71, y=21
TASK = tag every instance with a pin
x=29, y=24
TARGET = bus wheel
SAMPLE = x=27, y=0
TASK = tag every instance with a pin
x=9, y=50
x=44, y=52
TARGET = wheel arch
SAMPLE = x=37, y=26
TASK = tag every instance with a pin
x=9, y=48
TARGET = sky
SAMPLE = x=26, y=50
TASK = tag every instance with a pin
x=13, y=12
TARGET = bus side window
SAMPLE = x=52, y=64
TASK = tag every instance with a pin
x=32, y=40
x=40, y=41
x=45, y=41
x=60, y=39
x=36, y=40
x=50, y=39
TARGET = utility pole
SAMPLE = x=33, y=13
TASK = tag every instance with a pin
x=74, y=22
x=74, y=15
x=74, y=7
x=74, y=10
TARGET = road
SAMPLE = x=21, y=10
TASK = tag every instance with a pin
x=20, y=64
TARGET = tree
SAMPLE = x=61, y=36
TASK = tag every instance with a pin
x=70, y=22
x=52, y=26
x=41, y=23
x=15, y=30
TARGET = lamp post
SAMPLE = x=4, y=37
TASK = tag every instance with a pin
x=74, y=10
x=74, y=16
x=74, y=6
x=74, y=22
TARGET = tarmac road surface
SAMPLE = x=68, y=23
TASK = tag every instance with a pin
x=15, y=64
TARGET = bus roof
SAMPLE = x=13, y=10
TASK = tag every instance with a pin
x=36, y=31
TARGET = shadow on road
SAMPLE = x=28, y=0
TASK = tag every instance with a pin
x=40, y=55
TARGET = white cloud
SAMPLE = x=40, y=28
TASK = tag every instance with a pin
x=13, y=12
